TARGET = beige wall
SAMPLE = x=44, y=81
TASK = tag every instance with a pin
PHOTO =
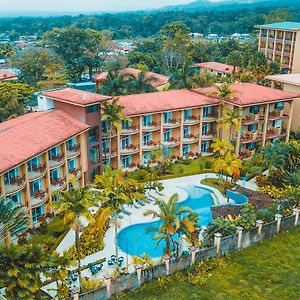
x=296, y=60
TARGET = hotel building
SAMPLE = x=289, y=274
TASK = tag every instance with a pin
x=281, y=42
x=39, y=151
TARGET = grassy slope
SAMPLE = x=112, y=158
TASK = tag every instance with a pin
x=269, y=270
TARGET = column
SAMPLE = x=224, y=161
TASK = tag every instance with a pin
x=259, y=38
x=239, y=232
x=278, y=219
x=192, y=250
x=275, y=43
x=181, y=133
x=166, y=259
x=141, y=139
x=238, y=138
x=200, y=129
x=46, y=156
x=138, y=269
x=161, y=127
x=265, y=124
x=292, y=51
x=259, y=225
x=296, y=214
x=66, y=165
x=267, y=42
x=282, y=50
x=27, y=193
x=217, y=242
x=288, y=129
x=107, y=281
x=2, y=188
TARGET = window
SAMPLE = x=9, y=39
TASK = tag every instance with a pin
x=277, y=123
x=279, y=105
x=125, y=124
x=105, y=146
x=204, y=146
x=94, y=135
x=125, y=162
x=9, y=176
x=72, y=164
x=94, y=155
x=186, y=131
x=93, y=108
x=254, y=109
x=53, y=152
x=35, y=187
x=16, y=198
x=125, y=142
x=251, y=146
x=205, y=129
x=146, y=157
x=206, y=111
x=37, y=212
x=104, y=126
x=146, y=120
x=185, y=150
x=147, y=138
x=253, y=127
x=71, y=143
x=167, y=117
x=167, y=135
x=55, y=174
x=33, y=163
x=187, y=113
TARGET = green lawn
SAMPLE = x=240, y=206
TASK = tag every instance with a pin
x=218, y=183
x=269, y=270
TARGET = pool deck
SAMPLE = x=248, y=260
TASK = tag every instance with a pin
x=171, y=186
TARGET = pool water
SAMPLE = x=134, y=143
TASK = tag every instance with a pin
x=137, y=239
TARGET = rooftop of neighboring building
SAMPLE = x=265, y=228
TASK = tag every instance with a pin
x=281, y=26
x=163, y=101
x=7, y=75
x=217, y=67
x=250, y=94
x=24, y=137
x=293, y=78
x=160, y=79
x=75, y=97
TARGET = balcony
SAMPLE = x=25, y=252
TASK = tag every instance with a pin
x=37, y=172
x=208, y=135
x=172, y=123
x=211, y=117
x=192, y=120
x=250, y=120
x=130, y=130
x=131, y=149
x=276, y=116
x=248, y=138
x=152, y=126
x=172, y=142
x=130, y=168
x=58, y=185
x=56, y=161
x=73, y=151
x=207, y=152
x=15, y=185
x=274, y=133
x=39, y=198
x=190, y=139
x=150, y=146
x=109, y=134
x=110, y=154
x=76, y=172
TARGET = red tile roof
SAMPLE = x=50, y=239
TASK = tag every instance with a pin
x=7, y=75
x=76, y=97
x=250, y=93
x=163, y=101
x=31, y=134
x=160, y=79
x=217, y=67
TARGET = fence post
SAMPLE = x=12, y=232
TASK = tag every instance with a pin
x=239, y=232
x=296, y=214
x=166, y=259
x=278, y=219
x=138, y=269
x=259, y=225
x=192, y=250
x=107, y=281
x=217, y=242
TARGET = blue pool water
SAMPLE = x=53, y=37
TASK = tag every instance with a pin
x=137, y=239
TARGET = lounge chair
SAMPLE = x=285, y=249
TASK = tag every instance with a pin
x=125, y=211
x=136, y=205
x=140, y=202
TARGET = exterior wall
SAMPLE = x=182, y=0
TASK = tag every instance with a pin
x=34, y=187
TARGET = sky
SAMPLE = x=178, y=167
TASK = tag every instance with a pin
x=32, y=6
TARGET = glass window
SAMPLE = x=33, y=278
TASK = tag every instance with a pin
x=146, y=120
x=105, y=146
x=186, y=131
x=125, y=142
x=147, y=138
x=93, y=108
x=72, y=164
x=94, y=135
x=35, y=162
x=167, y=135
x=186, y=150
x=94, y=155
x=187, y=113
x=54, y=152
x=205, y=129
x=279, y=105
x=168, y=117
x=146, y=157
x=254, y=109
x=204, y=146
x=125, y=124
x=253, y=127
x=206, y=111
x=11, y=175
x=251, y=146
x=37, y=212
x=55, y=174
x=71, y=143
x=17, y=198
x=125, y=161
x=35, y=187
x=277, y=123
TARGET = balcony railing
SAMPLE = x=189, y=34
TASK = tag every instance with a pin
x=208, y=152
x=58, y=185
x=76, y=172
x=151, y=126
x=131, y=149
x=37, y=172
x=130, y=130
x=172, y=123
x=191, y=120
x=109, y=133
x=273, y=133
x=39, y=198
x=14, y=185
x=210, y=117
x=130, y=168
x=172, y=142
x=110, y=154
x=250, y=120
x=208, y=135
x=190, y=139
x=73, y=151
x=150, y=146
x=247, y=138
x=56, y=160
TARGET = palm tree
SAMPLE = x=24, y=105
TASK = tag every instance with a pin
x=229, y=165
x=116, y=84
x=221, y=146
x=6, y=51
x=170, y=215
x=116, y=191
x=231, y=120
x=224, y=92
x=74, y=204
x=112, y=113
x=14, y=219
x=141, y=84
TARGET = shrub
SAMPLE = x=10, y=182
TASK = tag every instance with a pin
x=272, y=191
x=91, y=284
x=261, y=180
x=247, y=217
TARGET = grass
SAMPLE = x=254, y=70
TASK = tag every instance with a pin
x=218, y=183
x=268, y=270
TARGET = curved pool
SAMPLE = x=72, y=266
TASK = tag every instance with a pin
x=137, y=239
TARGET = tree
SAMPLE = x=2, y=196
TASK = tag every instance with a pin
x=112, y=113
x=115, y=84
x=74, y=204
x=141, y=84
x=278, y=15
x=229, y=165
x=221, y=146
x=33, y=63
x=235, y=59
x=21, y=269
x=231, y=120
x=14, y=219
x=174, y=219
x=7, y=50
x=117, y=191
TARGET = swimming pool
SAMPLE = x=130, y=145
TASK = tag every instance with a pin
x=137, y=240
